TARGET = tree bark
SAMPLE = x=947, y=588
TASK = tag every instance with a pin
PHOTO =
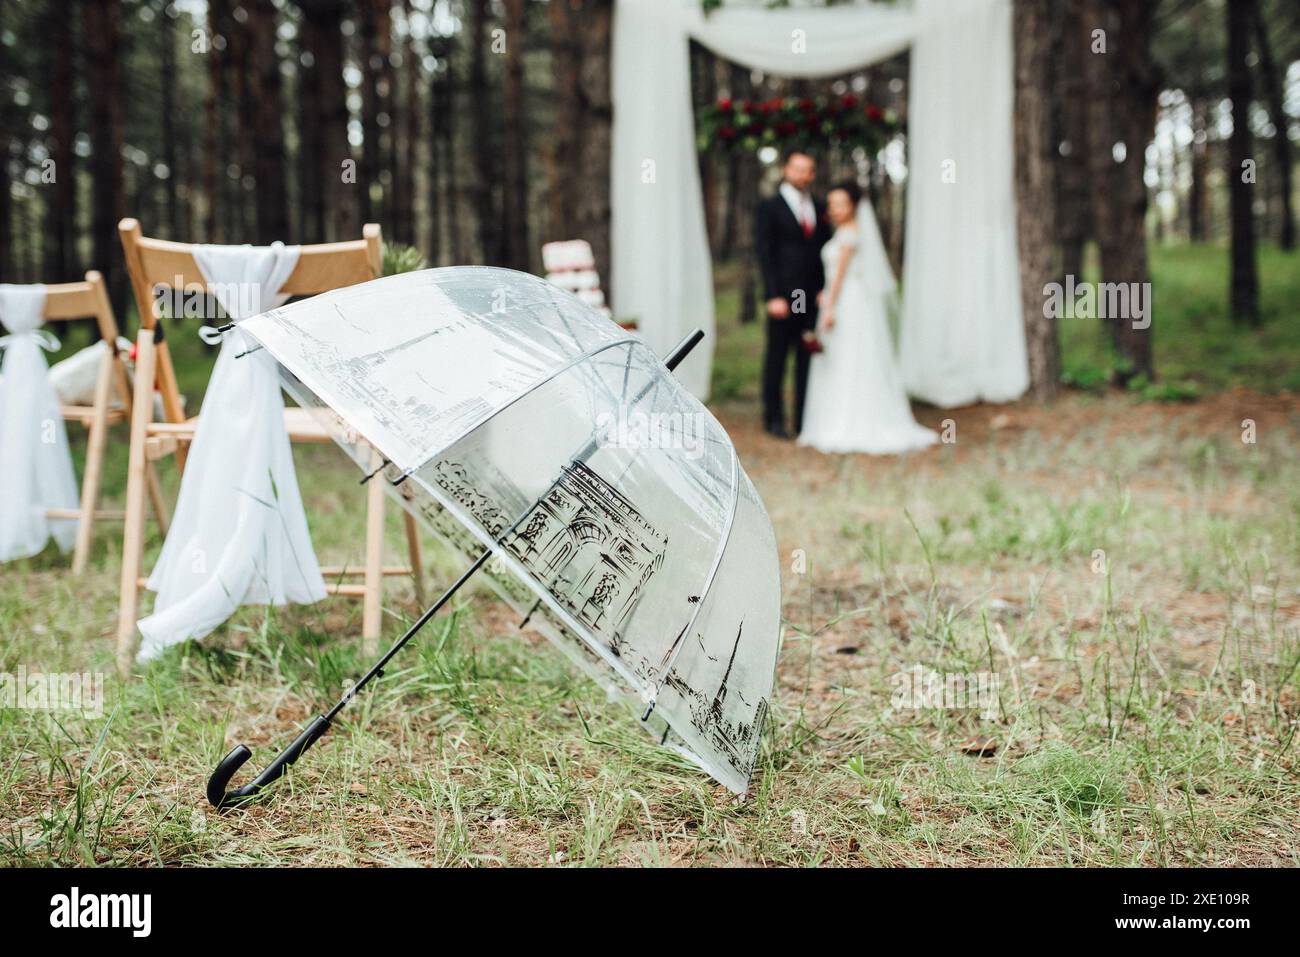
x=1121, y=121
x=61, y=209
x=1197, y=203
x=1070, y=131
x=514, y=201
x=102, y=22
x=375, y=90
x=1036, y=187
x=1272, y=88
x=335, y=204
x=487, y=158
x=167, y=118
x=1244, y=305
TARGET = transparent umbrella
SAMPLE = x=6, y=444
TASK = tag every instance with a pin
x=551, y=448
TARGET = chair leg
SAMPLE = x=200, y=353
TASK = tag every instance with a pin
x=156, y=498
x=133, y=530
x=94, y=466
x=370, y=613
x=413, y=550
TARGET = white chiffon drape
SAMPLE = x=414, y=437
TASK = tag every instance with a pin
x=36, y=471
x=239, y=535
x=960, y=245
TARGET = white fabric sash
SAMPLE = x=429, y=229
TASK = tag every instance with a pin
x=35, y=465
x=239, y=536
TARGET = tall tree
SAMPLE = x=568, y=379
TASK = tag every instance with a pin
x=1122, y=84
x=102, y=33
x=1272, y=87
x=1070, y=131
x=215, y=146
x=514, y=201
x=269, y=157
x=335, y=204
x=376, y=90
x=167, y=115
x=408, y=125
x=487, y=158
x=1035, y=29
x=61, y=204
x=1244, y=300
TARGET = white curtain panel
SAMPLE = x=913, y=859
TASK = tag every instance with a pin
x=960, y=242
x=35, y=465
x=962, y=337
x=239, y=536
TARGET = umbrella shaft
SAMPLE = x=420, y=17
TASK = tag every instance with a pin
x=420, y=622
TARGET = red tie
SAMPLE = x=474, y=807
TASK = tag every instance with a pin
x=805, y=221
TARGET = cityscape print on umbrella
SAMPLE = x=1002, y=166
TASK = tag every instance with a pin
x=583, y=541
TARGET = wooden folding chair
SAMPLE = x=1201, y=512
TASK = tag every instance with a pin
x=154, y=263
x=111, y=404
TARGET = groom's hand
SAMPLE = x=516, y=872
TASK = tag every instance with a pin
x=778, y=308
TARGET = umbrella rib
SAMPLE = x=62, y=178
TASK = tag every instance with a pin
x=555, y=374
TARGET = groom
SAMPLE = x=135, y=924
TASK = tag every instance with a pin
x=790, y=230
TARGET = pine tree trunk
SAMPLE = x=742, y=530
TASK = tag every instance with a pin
x=374, y=55
x=61, y=212
x=1071, y=132
x=167, y=118
x=487, y=157
x=1272, y=83
x=1244, y=300
x=1036, y=187
x=597, y=142
x=1197, y=203
x=439, y=154
x=216, y=97
x=1121, y=110
x=514, y=204
x=409, y=127
x=102, y=22
x=338, y=202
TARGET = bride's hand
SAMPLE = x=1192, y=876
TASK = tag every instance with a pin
x=827, y=322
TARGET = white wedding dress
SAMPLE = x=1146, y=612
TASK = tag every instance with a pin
x=856, y=401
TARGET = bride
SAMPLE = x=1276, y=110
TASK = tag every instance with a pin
x=856, y=401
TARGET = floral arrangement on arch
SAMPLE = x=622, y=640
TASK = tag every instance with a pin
x=842, y=120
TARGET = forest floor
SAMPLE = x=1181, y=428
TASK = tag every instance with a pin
x=1120, y=572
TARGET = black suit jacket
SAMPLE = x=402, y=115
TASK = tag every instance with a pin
x=790, y=260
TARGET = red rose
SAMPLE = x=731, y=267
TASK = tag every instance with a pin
x=727, y=133
x=874, y=113
x=813, y=121
x=848, y=100
x=786, y=128
x=806, y=104
x=724, y=104
x=746, y=106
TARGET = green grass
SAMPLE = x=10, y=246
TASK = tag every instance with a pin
x=1126, y=569
x=1197, y=347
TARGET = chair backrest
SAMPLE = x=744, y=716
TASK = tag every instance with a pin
x=81, y=300
x=321, y=267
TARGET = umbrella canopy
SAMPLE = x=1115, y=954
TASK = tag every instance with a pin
x=511, y=416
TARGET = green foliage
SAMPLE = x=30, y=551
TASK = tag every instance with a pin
x=1198, y=349
x=399, y=258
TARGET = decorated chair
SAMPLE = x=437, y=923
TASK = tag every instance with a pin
x=107, y=401
x=268, y=275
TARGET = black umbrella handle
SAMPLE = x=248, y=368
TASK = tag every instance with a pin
x=220, y=798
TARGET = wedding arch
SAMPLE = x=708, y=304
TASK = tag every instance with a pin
x=962, y=337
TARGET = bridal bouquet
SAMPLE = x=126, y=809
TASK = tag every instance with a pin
x=844, y=121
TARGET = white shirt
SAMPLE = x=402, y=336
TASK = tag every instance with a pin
x=800, y=204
